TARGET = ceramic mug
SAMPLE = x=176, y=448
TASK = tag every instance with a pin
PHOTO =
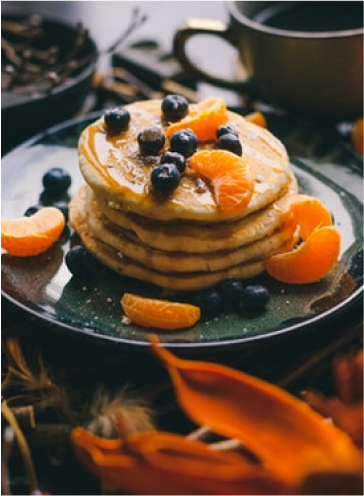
x=306, y=57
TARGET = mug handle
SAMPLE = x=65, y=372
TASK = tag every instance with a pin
x=194, y=27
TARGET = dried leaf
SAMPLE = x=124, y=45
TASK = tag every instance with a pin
x=163, y=463
x=348, y=418
x=290, y=438
x=345, y=407
x=300, y=452
x=117, y=415
x=348, y=376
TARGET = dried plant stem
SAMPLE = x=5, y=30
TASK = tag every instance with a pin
x=136, y=21
x=7, y=441
x=23, y=446
x=25, y=416
x=200, y=433
x=226, y=445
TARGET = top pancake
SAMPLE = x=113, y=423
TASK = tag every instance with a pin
x=119, y=173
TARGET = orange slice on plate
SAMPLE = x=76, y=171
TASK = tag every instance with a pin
x=29, y=236
x=257, y=118
x=203, y=119
x=310, y=261
x=309, y=213
x=230, y=176
x=160, y=314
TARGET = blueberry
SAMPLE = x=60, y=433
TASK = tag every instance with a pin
x=225, y=129
x=231, y=143
x=184, y=142
x=174, y=107
x=32, y=210
x=116, y=119
x=56, y=181
x=232, y=291
x=255, y=297
x=174, y=158
x=165, y=178
x=80, y=262
x=210, y=302
x=63, y=207
x=151, y=140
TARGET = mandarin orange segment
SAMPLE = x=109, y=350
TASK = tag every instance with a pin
x=310, y=261
x=357, y=136
x=203, y=119
x=29, y=236
x=230, y=176
x=257, y=118
x=309, y=213
x=160, y=314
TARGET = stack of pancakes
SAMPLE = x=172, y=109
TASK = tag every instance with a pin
x=183, y=241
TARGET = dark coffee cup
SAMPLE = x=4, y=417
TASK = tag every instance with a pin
x=306, y=57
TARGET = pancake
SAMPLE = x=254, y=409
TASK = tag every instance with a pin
x=185, y=240
x=200, y=237
x=126, y=243
x=176, y=281
x=120, y=175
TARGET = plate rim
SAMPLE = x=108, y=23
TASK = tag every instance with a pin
x=313, y=322
x=90, y=334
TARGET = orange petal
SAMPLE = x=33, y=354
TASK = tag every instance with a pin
x=204, y=118
x=289, y=438
x=163, y=463
x=348, y=376
x=348, y=418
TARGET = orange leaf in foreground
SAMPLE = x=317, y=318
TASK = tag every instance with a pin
x=349, y=418
x=292, y=440
x=163, y=463
x=345, y=407
x=348, y=372
x=30, y=236
x=310, y=261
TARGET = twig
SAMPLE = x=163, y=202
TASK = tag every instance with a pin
x=7, y=441
x=23, y=446
x=351, y=335
x=201, y=433
x=135, y=23
x=25, y=416
x=226, y=445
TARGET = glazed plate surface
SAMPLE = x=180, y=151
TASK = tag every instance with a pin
x=42, y=286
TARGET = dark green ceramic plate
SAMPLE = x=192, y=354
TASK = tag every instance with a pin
x=43, y=287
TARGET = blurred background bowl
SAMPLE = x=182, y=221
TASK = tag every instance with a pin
x=65, y=57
